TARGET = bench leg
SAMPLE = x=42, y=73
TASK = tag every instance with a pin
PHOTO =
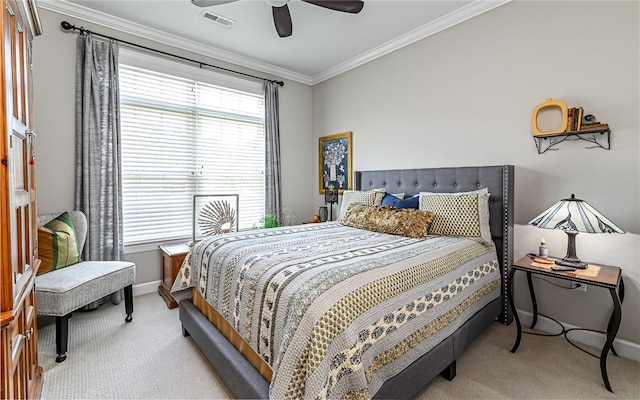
x=128, y=302
x=62, y=337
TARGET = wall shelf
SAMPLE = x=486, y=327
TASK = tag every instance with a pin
x=601, y=137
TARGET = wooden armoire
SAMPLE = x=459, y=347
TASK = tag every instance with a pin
x=21, y=373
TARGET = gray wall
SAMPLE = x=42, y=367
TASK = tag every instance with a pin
x=465, y=97
x=54, y=91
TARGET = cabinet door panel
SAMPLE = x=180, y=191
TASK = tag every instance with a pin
x=21, y=374
x=19, y=140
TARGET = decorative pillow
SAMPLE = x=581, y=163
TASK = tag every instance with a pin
x=390, y=199
x=386, y=219
x=57, y=244
x=370, y=198
x=411, y=202
x=379, y=197
x=459, y=214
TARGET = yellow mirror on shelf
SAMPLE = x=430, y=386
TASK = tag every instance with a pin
x=550, y=104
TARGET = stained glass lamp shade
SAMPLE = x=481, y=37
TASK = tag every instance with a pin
x=573, y=216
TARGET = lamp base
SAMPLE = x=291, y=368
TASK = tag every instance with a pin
x=568, y=263
x=571, y=259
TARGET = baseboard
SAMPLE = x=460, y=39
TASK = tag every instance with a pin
x=624, y=348
x=146, y=288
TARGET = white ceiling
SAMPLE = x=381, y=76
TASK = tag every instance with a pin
x=324, y=43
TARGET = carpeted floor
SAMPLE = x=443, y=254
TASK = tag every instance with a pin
x=150, y=359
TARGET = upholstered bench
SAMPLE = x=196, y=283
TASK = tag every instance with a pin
x=62, y=291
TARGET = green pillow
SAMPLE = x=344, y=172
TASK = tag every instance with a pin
x=57, y=244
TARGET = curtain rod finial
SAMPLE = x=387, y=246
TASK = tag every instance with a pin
x=66, y=26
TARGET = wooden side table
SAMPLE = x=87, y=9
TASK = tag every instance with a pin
x=600, y=275
x=173, y=255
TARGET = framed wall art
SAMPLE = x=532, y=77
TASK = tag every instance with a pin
x=214, y=214
x=334, y=161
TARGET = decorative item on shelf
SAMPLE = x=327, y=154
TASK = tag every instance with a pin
x=214, y=214
x=334, y=161
x=589, y=122
x=573, y=123
x=573, y=216
x=550, y=103
x=331, y=197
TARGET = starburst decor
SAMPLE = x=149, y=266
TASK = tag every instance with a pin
x=217, y=217
x=214, y=214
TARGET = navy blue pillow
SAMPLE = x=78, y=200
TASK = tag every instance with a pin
x=390, y=200
x=411, y=202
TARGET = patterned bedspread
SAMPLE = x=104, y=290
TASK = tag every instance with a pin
x=336, y=311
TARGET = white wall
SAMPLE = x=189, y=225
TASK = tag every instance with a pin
x=465, y=96
x=54, y=55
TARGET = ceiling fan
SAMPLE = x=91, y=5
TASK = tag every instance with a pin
x=281, y=15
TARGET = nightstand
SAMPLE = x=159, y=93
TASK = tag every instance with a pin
x=604, y=276
x=173, y=255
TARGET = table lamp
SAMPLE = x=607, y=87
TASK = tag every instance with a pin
x=331, y=196
x=573, y=216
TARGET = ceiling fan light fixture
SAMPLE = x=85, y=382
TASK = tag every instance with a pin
x=277, y=3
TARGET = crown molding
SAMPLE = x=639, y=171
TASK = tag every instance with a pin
x=77, y=11
x=474, y=9
x=132, y=28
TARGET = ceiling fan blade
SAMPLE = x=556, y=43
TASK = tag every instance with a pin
x=350, y=6
x=209, y=3
x=282, y=21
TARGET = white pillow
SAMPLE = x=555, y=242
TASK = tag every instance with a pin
x=370, y=198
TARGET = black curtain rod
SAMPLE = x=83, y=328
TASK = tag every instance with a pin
x=67, y=26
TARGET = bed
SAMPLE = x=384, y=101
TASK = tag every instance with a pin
x=330, y=310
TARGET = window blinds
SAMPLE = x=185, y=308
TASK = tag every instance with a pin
x=182, y=137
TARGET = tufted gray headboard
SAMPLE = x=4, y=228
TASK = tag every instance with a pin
x=498, y=179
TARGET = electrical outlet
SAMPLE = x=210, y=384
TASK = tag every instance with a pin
x=579, y=286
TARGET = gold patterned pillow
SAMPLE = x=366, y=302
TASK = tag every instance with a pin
x=459, y=214
x=386, y=219
x=369, y=198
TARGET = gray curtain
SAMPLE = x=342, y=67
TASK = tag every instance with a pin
x=273, y=203
x=98, y=189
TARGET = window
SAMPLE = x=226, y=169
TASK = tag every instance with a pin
x=183, y=136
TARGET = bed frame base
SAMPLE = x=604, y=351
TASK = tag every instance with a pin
x=450, y=372
x=240, y=377
x=245, y=382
